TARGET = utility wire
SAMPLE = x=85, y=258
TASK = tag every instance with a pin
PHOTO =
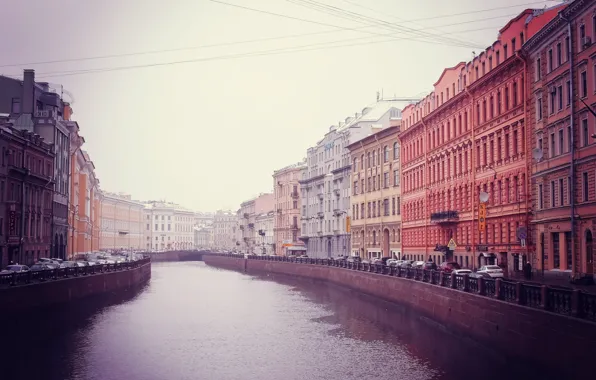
x=224, y=44
x=360, y=18
x=291, y=49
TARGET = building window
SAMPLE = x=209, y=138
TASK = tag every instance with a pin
x=538, y=108
x=538, y=74
x=584, y=84
x=560, y=97
x=552, y=145
x=561, y=142
x=585, y=133
x=552, y=194
x=396, y=177
x=540, y=195
x=567, y=48
x=514, y=93
x=568, y=92
x=568, y=254
x=561, y=192
x=549, y=60
x=556, y=252
x=386, y=179
x=585, y=186
x=505, y=53
x=386, y=154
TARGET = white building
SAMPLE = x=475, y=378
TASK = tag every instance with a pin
x=203, y=219
x=225, y=227
x=264, y=243
x=325, y=186
x=171, y=226
x=204, y=237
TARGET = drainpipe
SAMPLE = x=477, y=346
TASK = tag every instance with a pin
x=366, y=167
x=528, y=183
x=425, y=186
x=472, y=158
x=381, y=189
x=577, y=264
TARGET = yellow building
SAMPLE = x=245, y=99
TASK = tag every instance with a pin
x=122, y=223
x=376, y=217
x=83, y=205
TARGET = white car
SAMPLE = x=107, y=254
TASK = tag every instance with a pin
x=462, y=271
x=492, y=270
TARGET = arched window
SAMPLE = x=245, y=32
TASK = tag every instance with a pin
x=386, y=154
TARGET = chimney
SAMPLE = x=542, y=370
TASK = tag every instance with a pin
x=28, y=100
x=67, y=111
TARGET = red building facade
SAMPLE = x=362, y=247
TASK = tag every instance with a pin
x=470, y=136
x=26, y=191
x=562, y=76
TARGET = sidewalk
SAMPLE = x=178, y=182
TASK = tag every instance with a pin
x=555, y=281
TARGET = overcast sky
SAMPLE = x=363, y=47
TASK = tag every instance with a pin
x=208, y=134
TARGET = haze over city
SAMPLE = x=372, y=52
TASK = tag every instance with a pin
x=208, y=134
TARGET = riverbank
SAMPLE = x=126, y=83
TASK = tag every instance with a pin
x=540, y=338
x=53, y=290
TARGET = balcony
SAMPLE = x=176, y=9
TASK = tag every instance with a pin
x=320, y=233
x=246, y=215
x=242, y=228
x=337, y=212
x=450, y=216
x=321, y=196
x=336, y=232
x=251, y=225
x=294, y=227
x=337, y=192
x=320, y=214
x=303, y=238
x=295, y=194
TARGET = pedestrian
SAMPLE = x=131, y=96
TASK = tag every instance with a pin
x=529, y=270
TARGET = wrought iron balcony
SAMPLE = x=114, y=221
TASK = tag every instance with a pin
x=336, y=191
x=320, y=214
x=251, y=225
x=246, y=215
x=450, y=216
x=320, y=195
x=304, y=238
x=294, y=227
x=295, y=194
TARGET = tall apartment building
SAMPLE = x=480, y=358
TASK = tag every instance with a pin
x=38, y=108
x=225, y=225
x=203, y=237
x=286, y=192
x=325, y=186
x=122, y=222
x=248, y=236
x=465, y=157
x=84, y=204
x=264, y=239
x=26, y=172
x=562, y=82
x=171, y=226
x=376, y=216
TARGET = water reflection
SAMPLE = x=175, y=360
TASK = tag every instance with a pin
x=198, y=322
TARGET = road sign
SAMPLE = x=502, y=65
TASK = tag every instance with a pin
x=523, y=242
x=482, y=217
x=522, y=233
x=452, y=244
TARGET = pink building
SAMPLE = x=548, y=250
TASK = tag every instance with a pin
x=287, y=209
x=562, y=80
x=247, y=217
x=466, y=138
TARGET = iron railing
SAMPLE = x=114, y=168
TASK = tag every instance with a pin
x=565, y=301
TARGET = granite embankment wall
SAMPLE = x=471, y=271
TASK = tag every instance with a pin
x=30, y=297
x=539, y=337
x=176, y=256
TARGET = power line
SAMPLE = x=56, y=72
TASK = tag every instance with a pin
x=291, y=49
x=358, y=17
x=222, y=44
x=293, y=18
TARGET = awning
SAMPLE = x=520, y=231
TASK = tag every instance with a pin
x=296, y=248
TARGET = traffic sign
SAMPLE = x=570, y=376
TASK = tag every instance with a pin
x=522, y=233
x=452, y=244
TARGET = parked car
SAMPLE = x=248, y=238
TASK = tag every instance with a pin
x=430, y=265
x=354, y=259
x=479, y=275
x=406, y=263
x=418, y=264
x=463, y=271
x=53, y=264
x=15, y=268
x=40, y=267
x=449, y=266
x=69, y=264
x=492, y=270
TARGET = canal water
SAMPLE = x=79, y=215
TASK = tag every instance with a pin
x=197, y=322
